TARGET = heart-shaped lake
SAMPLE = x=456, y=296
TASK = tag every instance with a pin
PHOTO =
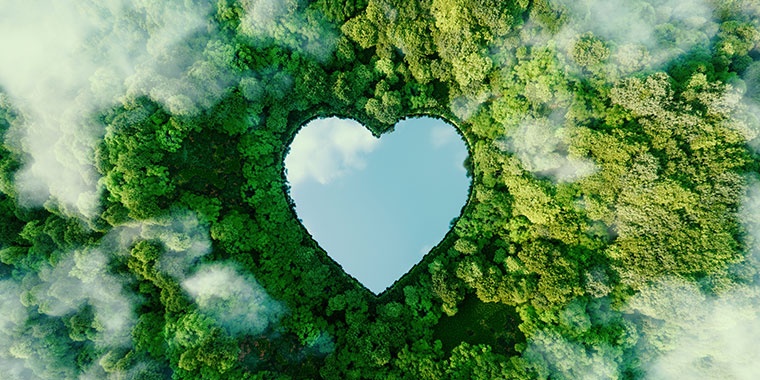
x=377, y=206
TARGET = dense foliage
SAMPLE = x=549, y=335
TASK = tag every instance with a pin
x=601, y=166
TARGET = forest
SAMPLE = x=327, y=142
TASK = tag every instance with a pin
x=612, y=229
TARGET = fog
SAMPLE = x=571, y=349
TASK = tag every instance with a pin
x=675, y=328
x=641, y=34
x=33, y=342
x=81, y=279
x=237, y=302
x=184, y=238
x=288, y=24
x=12, y=321
x=553, y=355
x=465, y=106
x=543, y=148
x=65, y=61
x=687, y=331
x=686, y=334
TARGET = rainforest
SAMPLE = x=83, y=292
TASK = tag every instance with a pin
x=611, y=228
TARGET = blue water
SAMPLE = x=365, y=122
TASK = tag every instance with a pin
x=391, y=200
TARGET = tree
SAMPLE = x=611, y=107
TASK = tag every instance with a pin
x=589, y=51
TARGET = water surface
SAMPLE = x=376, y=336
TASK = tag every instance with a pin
x=377, y=205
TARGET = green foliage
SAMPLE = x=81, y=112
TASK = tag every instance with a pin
x=480, y=323
x=533, y=279
x=589, y=51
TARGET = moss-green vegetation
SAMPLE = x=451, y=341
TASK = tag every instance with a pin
x=602, y=165
x=478, y=322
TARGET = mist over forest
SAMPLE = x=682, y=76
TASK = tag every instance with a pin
x=612, y=229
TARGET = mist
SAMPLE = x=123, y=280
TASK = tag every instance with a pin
x=33, y=340
x=288, y=24
x=465, y=106
x=687, y=334
x=184, y=238
x=553, y=355
x=237, y=302
x=687, y=331
x=83, y=277
x=232, y=299
x=641, y=34
x=67, y=61
x=82, y=280
x=675, y=328
x=543, y=148
x=12, y=321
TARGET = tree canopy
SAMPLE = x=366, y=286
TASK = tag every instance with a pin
x=611, y=170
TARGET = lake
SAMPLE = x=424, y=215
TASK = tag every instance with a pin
x=377, y=206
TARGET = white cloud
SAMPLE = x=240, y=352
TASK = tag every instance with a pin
x=48, y=81
x=64, y=61
x=326, y=149
x=551, y=354
x=688, y=335
x=235, y=301
x=84, y=277
x=285, y=21
x=663, y=29
x=185, y=240
x=540, y=146
x=12, y=324
x=36, y=301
